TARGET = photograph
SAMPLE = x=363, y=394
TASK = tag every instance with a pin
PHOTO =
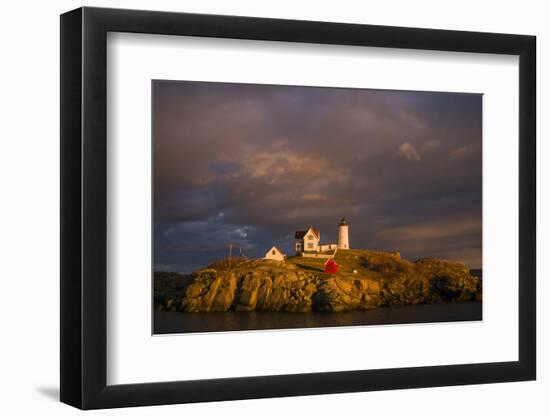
x=282, y=204
x=284, y=207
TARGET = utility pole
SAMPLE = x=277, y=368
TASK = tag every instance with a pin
x=230, y=249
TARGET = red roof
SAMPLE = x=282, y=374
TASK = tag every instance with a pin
x=301, y=233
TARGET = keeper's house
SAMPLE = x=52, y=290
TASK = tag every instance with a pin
x=308, y=242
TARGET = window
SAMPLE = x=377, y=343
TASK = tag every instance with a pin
x=310, y=237
x=273, y=252
x=310, y=245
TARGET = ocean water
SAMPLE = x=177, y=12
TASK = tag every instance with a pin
x=177, y=322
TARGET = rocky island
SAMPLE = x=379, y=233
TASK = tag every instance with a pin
x=365, y=280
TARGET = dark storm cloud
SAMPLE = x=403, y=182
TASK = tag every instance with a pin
x=250, y=164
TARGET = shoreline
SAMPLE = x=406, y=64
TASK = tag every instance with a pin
x=170, y=322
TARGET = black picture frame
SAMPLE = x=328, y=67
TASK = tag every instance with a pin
x=84, y=207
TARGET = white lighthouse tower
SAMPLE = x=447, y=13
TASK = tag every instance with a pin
x=343, y=235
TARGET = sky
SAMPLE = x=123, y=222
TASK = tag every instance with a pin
x=250, y=164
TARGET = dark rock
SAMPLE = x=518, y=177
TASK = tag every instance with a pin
x=380, y=279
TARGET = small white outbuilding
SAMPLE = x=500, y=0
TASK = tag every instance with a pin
x=275, y=254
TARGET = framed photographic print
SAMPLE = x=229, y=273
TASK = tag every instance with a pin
x=258, y=207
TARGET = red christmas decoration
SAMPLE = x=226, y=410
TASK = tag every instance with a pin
x=331, y=267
